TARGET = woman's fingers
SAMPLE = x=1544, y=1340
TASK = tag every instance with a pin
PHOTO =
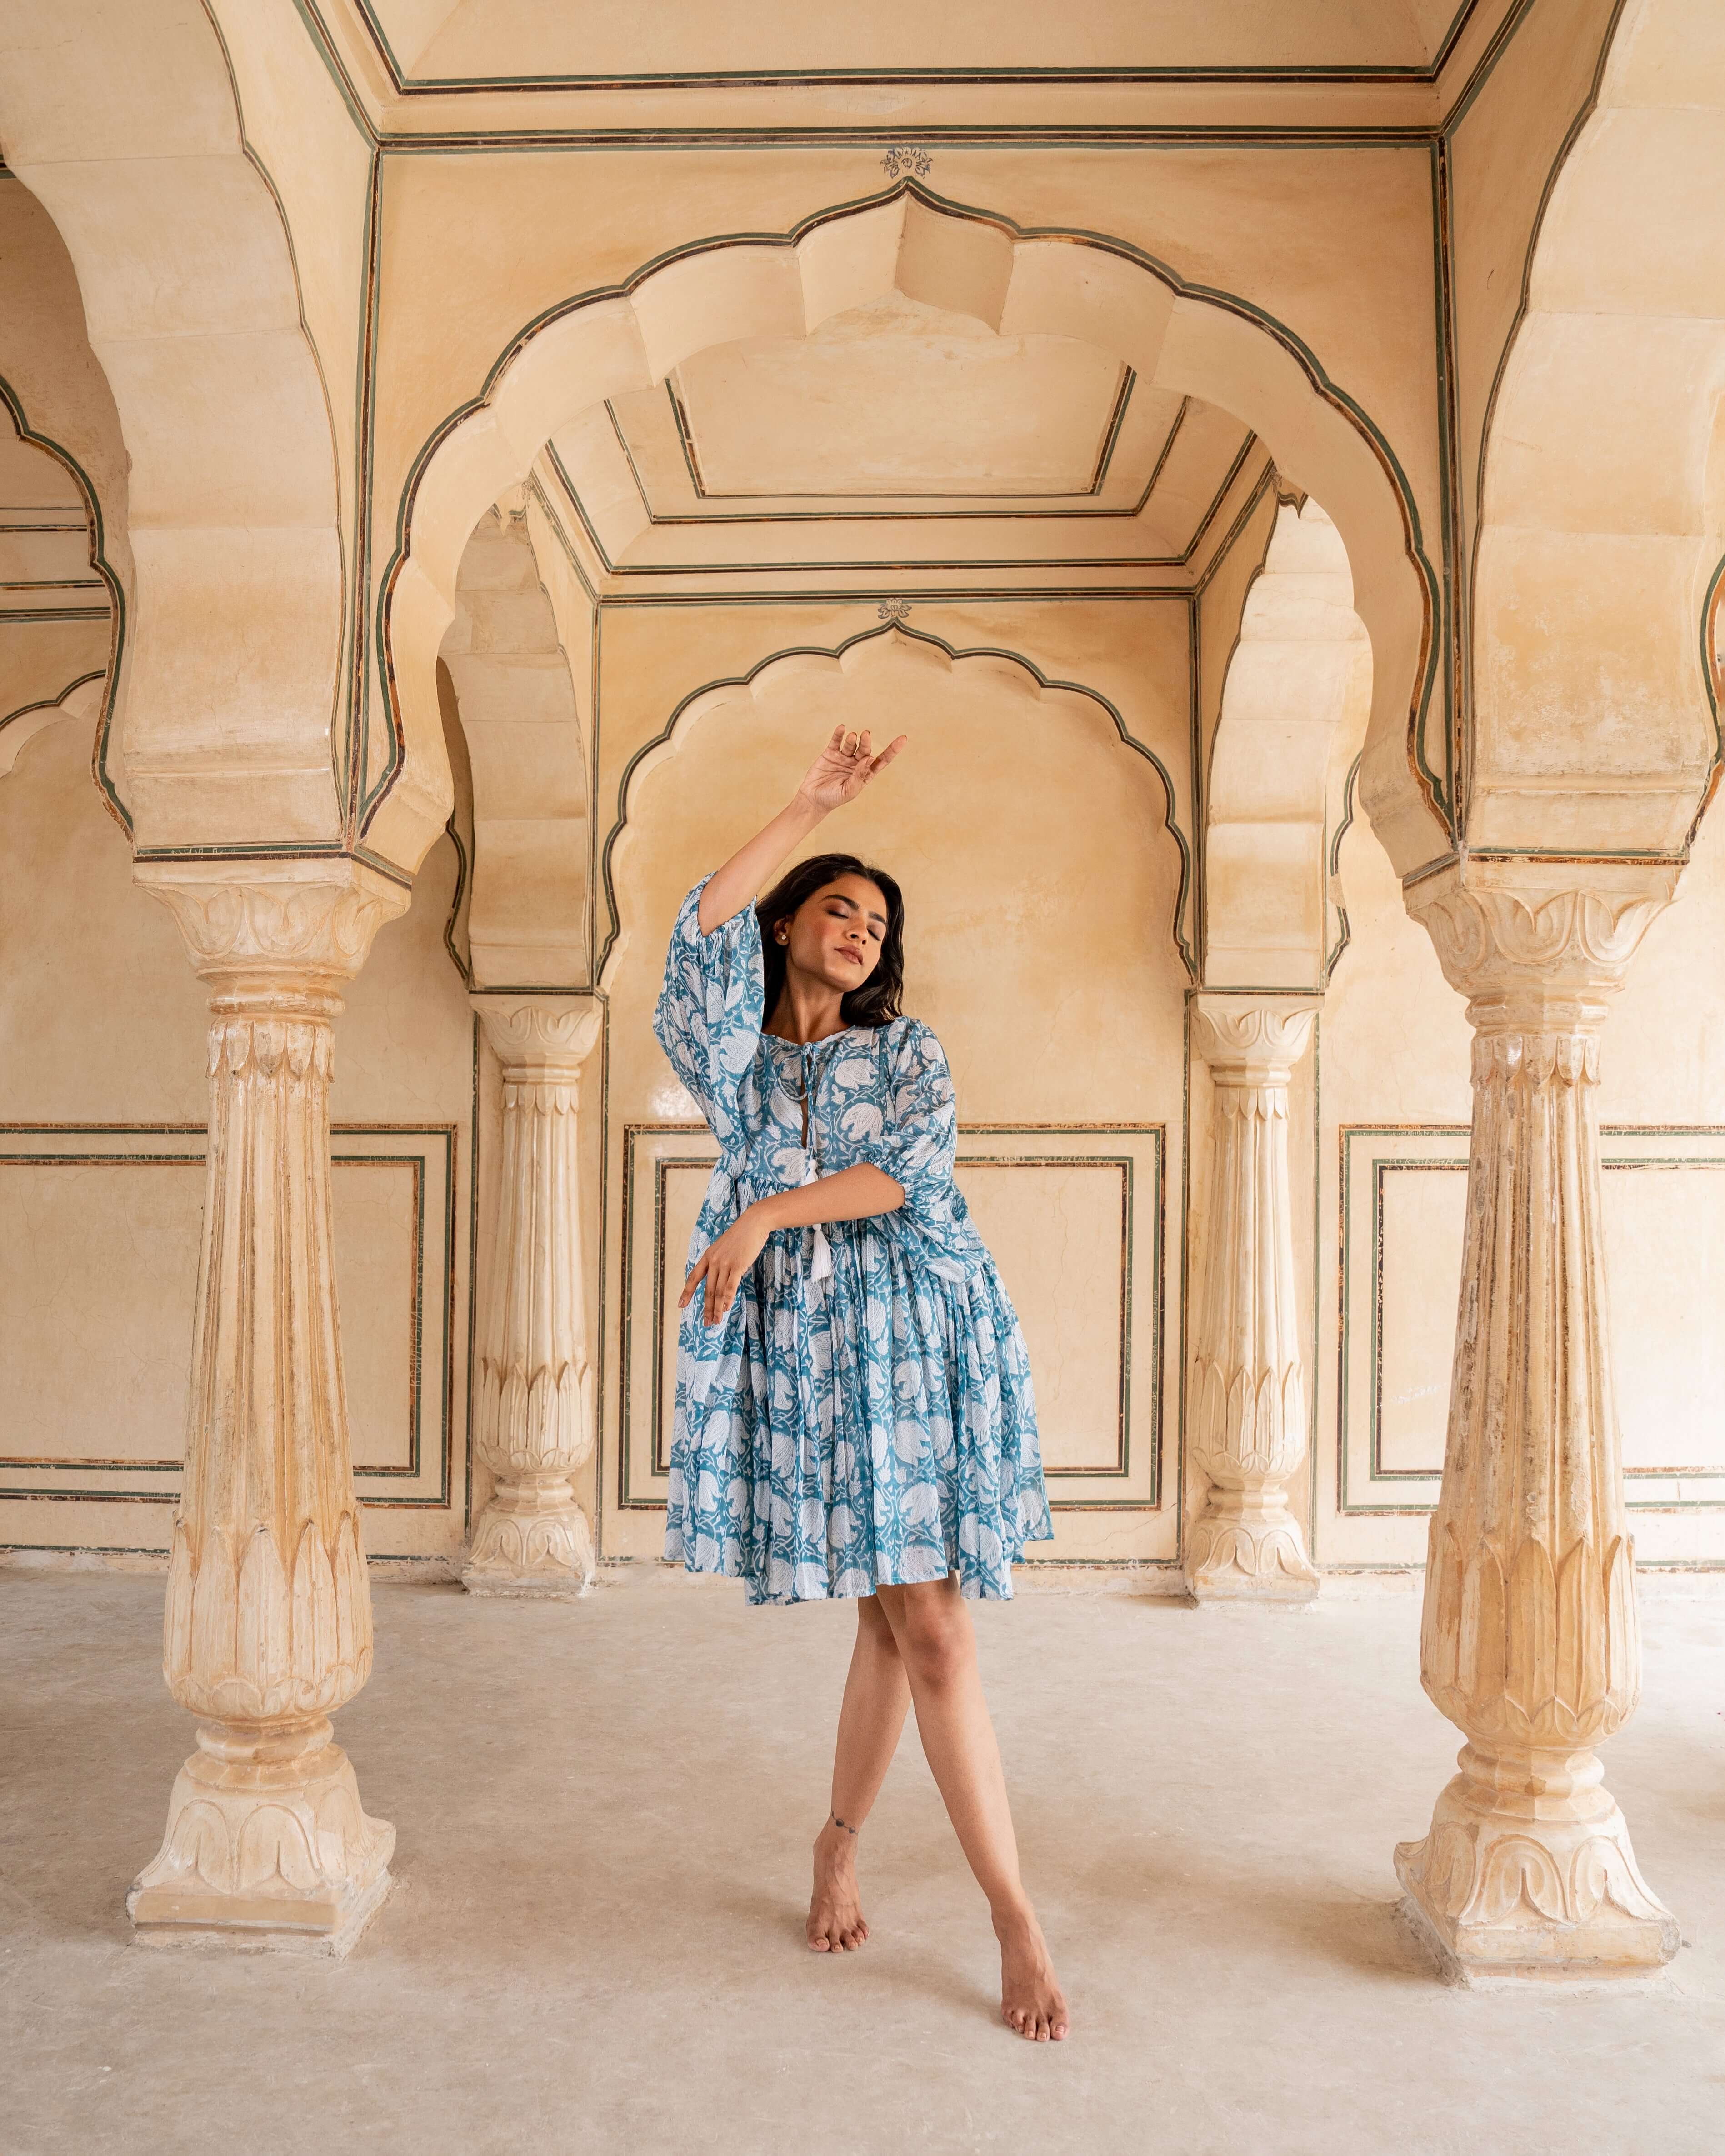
x=886, y=754
x=697, y=1271
x=720, y=1286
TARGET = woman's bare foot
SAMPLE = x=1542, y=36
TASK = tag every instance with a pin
x=1031, y=2001
x=835, y=1917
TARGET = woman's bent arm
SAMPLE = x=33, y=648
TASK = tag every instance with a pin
x=854, y=1193
x=837, y=775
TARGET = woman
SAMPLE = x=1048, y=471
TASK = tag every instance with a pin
x=854, y=1409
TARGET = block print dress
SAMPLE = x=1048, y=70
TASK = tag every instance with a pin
x=864, y=1411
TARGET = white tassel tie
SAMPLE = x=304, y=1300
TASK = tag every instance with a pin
x=820, y=1262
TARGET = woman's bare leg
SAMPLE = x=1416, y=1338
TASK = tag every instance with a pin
x=936, y=1644
x=877, y=1695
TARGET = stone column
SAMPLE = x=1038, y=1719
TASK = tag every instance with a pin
x=535, y=1416
x=1529, y=1643
x=268, y=1622
x=1248, y=1399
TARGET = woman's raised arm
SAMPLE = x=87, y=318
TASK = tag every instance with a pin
x=837, y=775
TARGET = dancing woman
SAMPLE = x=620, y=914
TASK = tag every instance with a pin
x=853, y=1410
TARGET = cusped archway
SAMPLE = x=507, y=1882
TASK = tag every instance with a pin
x=1069, y=284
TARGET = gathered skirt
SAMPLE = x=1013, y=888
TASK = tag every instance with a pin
x=870, y=1425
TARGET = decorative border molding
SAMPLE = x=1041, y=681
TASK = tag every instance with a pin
x=433, y=1166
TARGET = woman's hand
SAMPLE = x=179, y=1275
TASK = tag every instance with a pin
x=844, y=767
x=723, y=1263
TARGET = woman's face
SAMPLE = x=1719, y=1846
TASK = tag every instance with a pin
x=837, y=934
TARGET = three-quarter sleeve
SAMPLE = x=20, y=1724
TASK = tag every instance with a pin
x=710, y=1011
x=917, y=1145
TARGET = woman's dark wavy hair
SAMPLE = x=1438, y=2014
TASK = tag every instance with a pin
x=877, y=1001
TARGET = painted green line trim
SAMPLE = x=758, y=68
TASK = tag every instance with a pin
x=928, y=565
x=1342, y=830
x=52, y=703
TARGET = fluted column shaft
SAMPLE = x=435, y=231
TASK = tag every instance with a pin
x=536, y=1407
x=267, y=1628
x=1248, y=1397
x=1529, y=1643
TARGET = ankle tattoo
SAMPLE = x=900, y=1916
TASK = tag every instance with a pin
x=837, y=1821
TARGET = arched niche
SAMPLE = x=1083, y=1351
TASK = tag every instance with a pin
x=1045, y=882
x=526, y=919
x=80, y=703
x=1596, y=578
x=1295, y=705
x=124, y=124
x=908, y=241
x=57, y=622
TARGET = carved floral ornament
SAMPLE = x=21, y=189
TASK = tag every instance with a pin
x=539, y=1038
x=1498, y=927
x=311, y=919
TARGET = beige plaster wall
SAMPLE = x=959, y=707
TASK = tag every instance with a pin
x=102, y=1032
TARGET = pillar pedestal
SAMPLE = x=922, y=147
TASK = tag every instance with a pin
x=267, y=1628
x=534, y=1425
x=1248, y=1398
x=1529, y=1643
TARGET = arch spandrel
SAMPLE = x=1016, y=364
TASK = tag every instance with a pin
x=1064, y=283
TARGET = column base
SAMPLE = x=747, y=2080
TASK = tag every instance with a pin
x=1236, y=1557
x=267, y=1845
x=528, y=1543
x=1503, y=1893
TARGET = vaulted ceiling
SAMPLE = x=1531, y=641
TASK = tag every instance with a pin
x=902, y=436
x=448, y=41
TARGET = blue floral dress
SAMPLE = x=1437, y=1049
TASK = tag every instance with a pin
x=863, y=1412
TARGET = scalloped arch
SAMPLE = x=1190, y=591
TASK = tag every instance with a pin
x=1075, y=284
x=1012, y=669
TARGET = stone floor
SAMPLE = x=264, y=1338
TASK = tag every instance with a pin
x=603, y=1811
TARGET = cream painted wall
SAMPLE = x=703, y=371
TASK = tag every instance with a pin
x=102, y=1034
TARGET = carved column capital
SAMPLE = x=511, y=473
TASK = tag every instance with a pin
x=1252, y=1040
x=540, y=1039
x=264, y=933
x=1539, y=945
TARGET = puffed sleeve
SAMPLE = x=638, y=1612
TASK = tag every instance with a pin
x=917, y=1145
x=710, y=1011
